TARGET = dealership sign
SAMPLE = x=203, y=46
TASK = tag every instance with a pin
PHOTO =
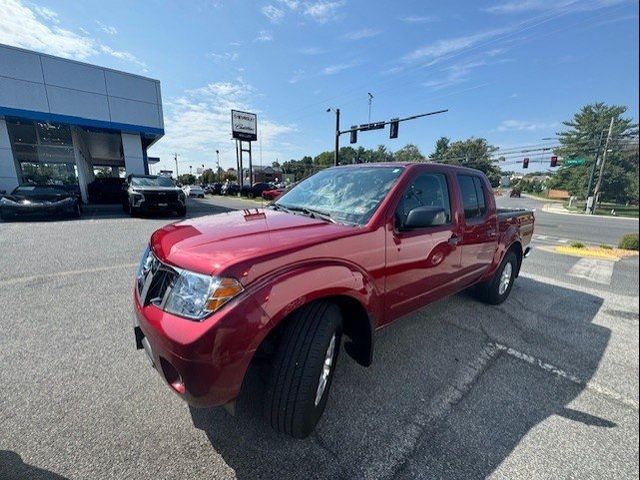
x=244, y=125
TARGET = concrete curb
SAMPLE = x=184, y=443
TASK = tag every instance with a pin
x=560, y=210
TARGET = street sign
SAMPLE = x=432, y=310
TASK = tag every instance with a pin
x=372, y=126
x=575, y=161
x=244, y=126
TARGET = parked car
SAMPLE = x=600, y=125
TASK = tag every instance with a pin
x=273, y=193
x=213, y=188
x=152, y=193
x=344, y=253
x=256, y=189
x=194, y=191
x=106, y=190
x=230, y=189
x=40, y=200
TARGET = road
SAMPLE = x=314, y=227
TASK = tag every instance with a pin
x=545, y=385
x=584, y=228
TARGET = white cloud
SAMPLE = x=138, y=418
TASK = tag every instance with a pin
x=264, y=36
x=46, y=13
x=108, y=29
x=20, y=27
x=198, y=123
x=417, y=19
x=454, y=75
x=220, y=57
x=362, y=34
x=340, y=67
x=322, y=11
x=452, y=45
x=123, y=55
x=297, y=76
x=292, y=4
x=273, y=13
x=523, y=6
x=38, y=29
x=525, y=126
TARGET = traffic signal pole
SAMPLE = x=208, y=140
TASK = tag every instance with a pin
x=336, y=154
x=373, y=126
x=593, y=172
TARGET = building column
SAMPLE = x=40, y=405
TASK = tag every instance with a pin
x=134, y=157
x=83, y=162
x=8, y=171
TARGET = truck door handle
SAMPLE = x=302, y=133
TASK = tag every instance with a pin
x=454, y=240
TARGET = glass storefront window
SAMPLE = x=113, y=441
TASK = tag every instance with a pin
x=44, y=152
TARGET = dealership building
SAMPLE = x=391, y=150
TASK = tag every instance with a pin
x=66, y=122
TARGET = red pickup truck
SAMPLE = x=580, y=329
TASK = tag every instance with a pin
x=343, y=254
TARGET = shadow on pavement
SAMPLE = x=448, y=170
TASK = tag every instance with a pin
x=13, y=468
x=430, y=406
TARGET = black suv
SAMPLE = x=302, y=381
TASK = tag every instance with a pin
x=151, y=193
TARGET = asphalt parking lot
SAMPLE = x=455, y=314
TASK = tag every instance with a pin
x=543, y=386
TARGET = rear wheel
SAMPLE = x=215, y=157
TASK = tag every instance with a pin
x=497, y=290
x=303, y=369
x=182, y=211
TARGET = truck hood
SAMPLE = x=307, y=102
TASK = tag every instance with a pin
x=213, y=243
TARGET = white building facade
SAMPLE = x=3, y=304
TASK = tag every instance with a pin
x=66, y=122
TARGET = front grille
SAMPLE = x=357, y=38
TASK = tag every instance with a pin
x=154, y=286
x=161, y=197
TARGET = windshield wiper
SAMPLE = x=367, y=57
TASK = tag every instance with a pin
x=307, y=211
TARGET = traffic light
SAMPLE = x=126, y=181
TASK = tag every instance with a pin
x=554, y=161
x=393, y=128
x=525, y=163
x=354, y=134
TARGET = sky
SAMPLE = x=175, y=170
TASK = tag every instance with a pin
x=508, y=70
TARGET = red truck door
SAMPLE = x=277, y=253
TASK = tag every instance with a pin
x=422, y=264
x=479, y=229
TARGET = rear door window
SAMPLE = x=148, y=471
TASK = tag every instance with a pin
x=473, y=199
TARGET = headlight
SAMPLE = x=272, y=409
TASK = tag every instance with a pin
x=195, y=296
x=192, y=295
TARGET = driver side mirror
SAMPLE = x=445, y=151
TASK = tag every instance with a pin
x=422, y=217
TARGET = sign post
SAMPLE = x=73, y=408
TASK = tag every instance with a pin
x=244, y=128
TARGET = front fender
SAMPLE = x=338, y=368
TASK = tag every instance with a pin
x=281, y=293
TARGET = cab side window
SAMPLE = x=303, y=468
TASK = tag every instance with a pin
x=428, y=189
x=473, y=198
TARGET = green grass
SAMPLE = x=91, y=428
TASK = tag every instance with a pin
x=577, y=245
x=630, y=241
x=629, y=211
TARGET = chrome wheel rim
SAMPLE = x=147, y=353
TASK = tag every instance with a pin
x=326, y=370
x=505, y=278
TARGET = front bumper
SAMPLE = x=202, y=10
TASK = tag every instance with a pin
x=203, y=362
x=37, y=209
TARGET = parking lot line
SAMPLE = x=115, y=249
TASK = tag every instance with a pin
x=17, y=280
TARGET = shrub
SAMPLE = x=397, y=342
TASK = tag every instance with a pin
x=606, y=247
x=630, y=241
x=577, y=244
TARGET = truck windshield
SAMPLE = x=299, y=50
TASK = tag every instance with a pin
x=345, y=195
x=151, y=182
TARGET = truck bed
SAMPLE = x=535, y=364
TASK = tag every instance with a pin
x=522, y=218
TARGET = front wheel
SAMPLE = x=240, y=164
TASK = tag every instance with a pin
x=497, y=290
x=298, y=388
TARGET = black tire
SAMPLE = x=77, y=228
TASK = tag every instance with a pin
x=489, y=292
x=290, y=404
x=182, y=211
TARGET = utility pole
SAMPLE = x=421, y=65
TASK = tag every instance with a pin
x=218, y=166
x=175, y=158
x=596, y=193
x=593, y=172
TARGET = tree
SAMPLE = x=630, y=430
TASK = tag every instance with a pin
x=442, y=145
x=409, y=153
x=187, y=179
x=580, y=140
x=473, y=152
